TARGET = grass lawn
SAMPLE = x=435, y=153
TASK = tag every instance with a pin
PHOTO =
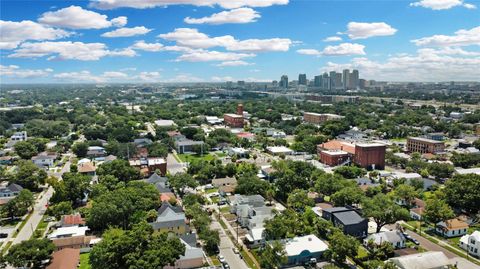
x=247, y=259
x=215, y=260
x=220, y=154
x=225, y=209
x=84, y=261
x=362, y=252
x=191, y=157
x=40, y=230
x=211, y=190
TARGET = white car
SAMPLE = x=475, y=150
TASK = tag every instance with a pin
x=221, y=259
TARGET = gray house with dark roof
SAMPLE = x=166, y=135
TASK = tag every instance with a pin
x=170, y=219
x=9, y=190
x=348, y=220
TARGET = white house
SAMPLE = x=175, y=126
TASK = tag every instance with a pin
x=396, y=238
x=471, y=243
x=429, y=259
x=44, y=160
x=304, y=249
x=279, y=150
x=451, y=228
x=68, y=232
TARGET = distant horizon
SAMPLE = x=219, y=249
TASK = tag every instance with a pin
x=208, y=41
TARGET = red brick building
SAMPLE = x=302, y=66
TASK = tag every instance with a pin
x=424, y=145
x=234, y=120
x=366, y=155
x=317, y=118
x=148, y=166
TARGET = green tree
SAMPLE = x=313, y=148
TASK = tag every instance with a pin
x=157, y=150
x=30, y=253
x=350, y=172
x=60, y=209
x=348, y=196
x=273, y=256
x=383, y=210
x=72, y=188
x=123, y=207
x=80, y=149
x=250, y=184
x=328, y=184
x=25, y=150
x=120, y=169
x=19, y=205
x=406, y=193
x=462, y=192
x=298, y=200
x=139, y=248
x=29, y=175
x=342, y=246
x=180, y=181
x=437, y=210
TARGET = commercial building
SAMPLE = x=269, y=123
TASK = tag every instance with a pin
x=317, y=118
x=330, y=99
x=234, y=120
x=318, y=81
x=424, y=145
x=284, y=81
x=366, y=155
x=302, y=79
x=150, y=165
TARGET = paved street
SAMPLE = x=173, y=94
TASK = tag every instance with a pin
x=226, y=246
x=425, y=243
x=38, y=212
x=173, y=166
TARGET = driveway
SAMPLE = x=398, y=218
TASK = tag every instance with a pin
x=226, y=246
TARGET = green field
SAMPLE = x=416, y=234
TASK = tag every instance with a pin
x=84, y=261
x=191, y=157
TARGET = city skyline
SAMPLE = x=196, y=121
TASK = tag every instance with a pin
x=102, y=41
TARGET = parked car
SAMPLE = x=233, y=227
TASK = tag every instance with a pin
x=222, y=202
x=235, y=250
x=226, y=266
x=221, y=259
x=3, y=235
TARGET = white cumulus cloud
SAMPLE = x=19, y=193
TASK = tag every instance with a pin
x=15, y=71
x=141, y=4
x=68, y=50
x=207, y=56
x=238, y=15
x=441, y=4
x=126, y=32
x=233, y=63
x=332, y=39
x=13, y=33
x=343, y=49
x=309, y=52
x=192, y=38
x=461, y=37
x=76, y=17
x=362, y=30
x=152, y=47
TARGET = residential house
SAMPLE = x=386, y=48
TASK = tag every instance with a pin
x=161, y=184
x=281, y=150
x=142, y=142
x=418, y=209
x=424, y=260
x=82, y=242
x=225, y=185
x=170, y=219
x=67, y=258
x=304, y=249
x=9, y=190
x=96, y=151
x=87, y=168
x=396, y=238
x=187, y=145
x=239, y=152
x=71, y=220
x=70, y=231
x=16, y=137
x=451, y=228
x=348, y=220
x=471, y=243
x=44, y=159
x=193, y=256
x=6, y=160
x=151, y=165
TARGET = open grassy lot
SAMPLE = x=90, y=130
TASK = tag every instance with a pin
x=84, y=261
x=192, y=157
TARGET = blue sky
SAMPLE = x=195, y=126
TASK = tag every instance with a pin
x=254, y=40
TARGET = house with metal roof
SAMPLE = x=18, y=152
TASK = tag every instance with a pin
x=424, y=260
x=304, y=249
x=396, y=238
x=170, y=219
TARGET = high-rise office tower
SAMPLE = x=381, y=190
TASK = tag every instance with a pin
x=284, y=81
x=325, y=81
x=346, y=78
x=338, y=81
x=354, y=79
x=317, y=81
x=302, y=79
x=332, y=85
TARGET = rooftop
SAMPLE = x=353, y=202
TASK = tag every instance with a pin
x=311, y=243
x=426, y=140
x=67, y=258
x=430, y=259
x=68, y=232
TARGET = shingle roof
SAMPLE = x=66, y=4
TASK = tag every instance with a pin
x=348, y=217
x=453, y=224
x=67, y=258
